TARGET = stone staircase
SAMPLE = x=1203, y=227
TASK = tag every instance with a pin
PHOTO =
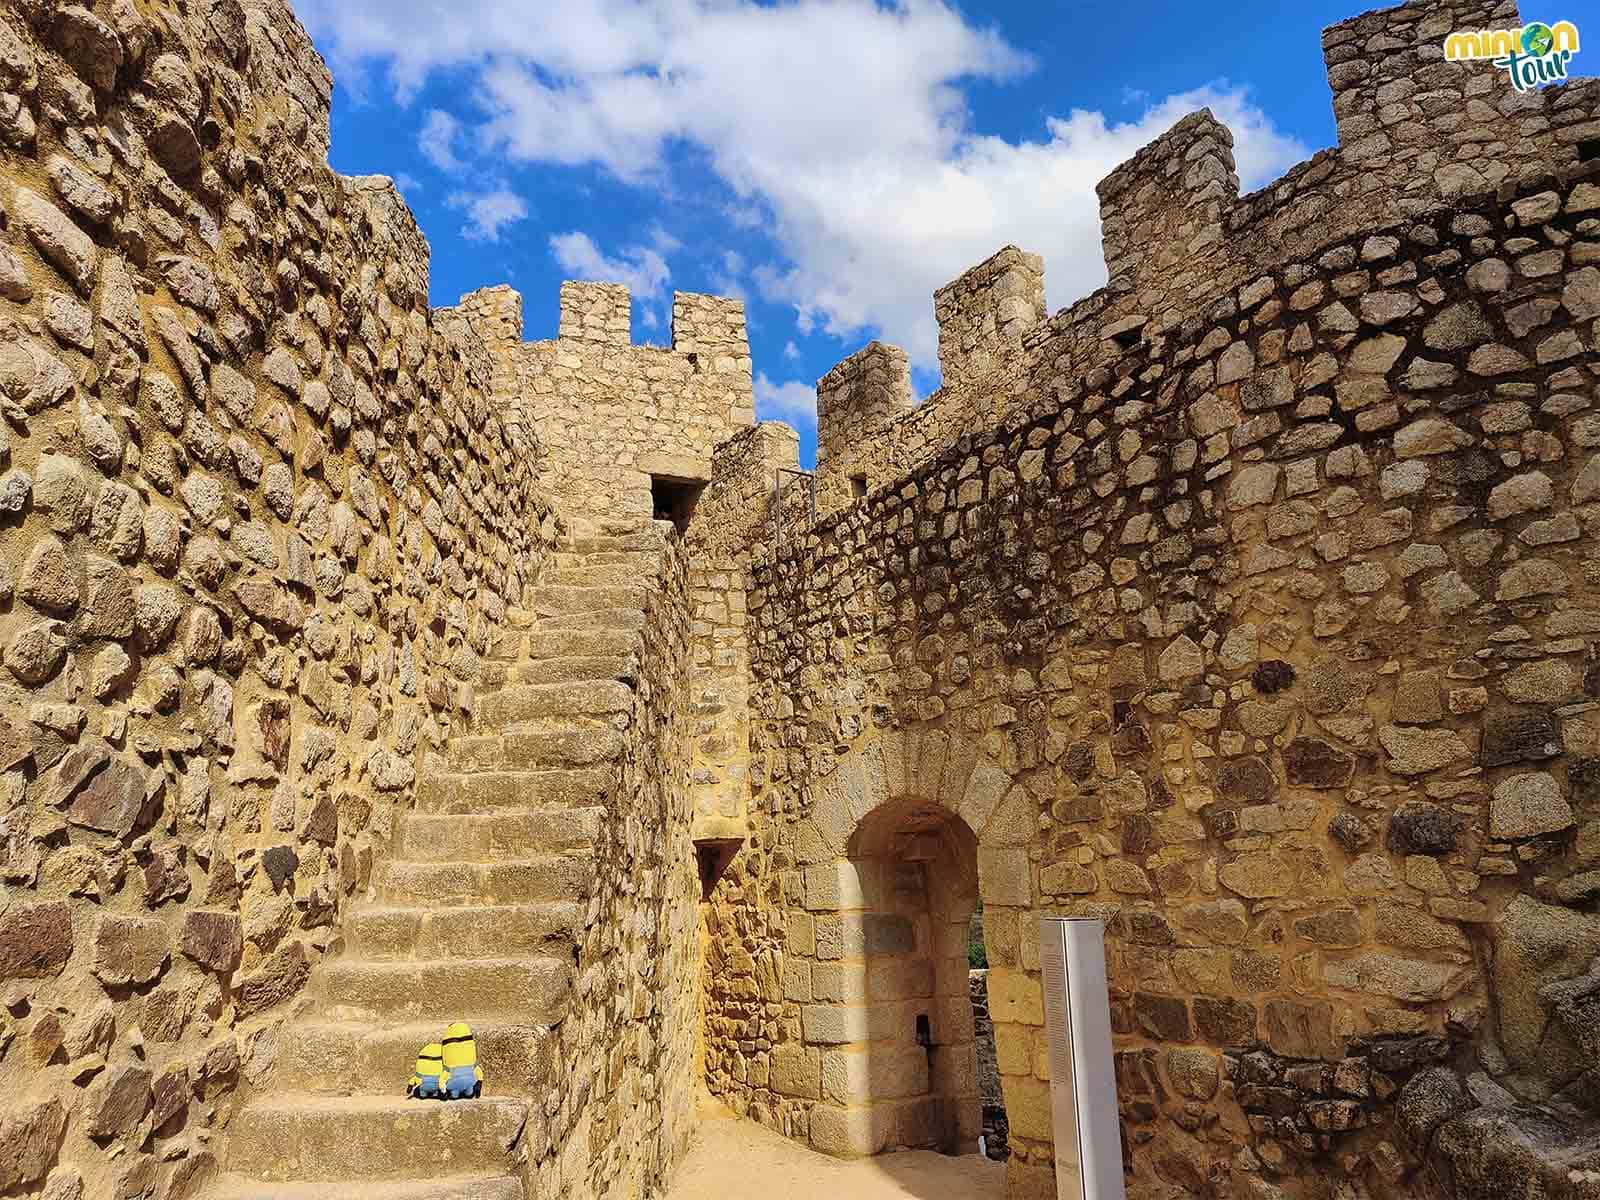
x=478, y=915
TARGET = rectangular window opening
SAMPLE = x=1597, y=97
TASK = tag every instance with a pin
x=858, y=487
x=674, y=499
x=1589, y=150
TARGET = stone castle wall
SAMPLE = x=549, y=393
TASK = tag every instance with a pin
x=625, y=1067
x=261, y=514
x=1249, y=604
x=611, y=414
x=1253, y=614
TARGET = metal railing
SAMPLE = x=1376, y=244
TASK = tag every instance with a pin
x=778, y=513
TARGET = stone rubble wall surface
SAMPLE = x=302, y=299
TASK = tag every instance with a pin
x=1259, y=625
x=622, y=1113
x=262, y=512
x=610, y=414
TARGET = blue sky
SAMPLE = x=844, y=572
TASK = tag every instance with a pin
x=830, y=161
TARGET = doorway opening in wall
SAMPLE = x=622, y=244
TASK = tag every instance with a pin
x=995, y=1141
x=907, y=1079
x=674, y=499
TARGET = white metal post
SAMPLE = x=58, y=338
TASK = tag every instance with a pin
x=1083, y=1083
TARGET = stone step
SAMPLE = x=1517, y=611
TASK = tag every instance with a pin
x=341, y=1058
x=558, y=643
x=647, y=538
x=456, y=1187
x=574, y=667
x=288, y=1137
x=631, y=619
x=585, y=746
x=497, y=834
x=562, y=877
x=394, y=933
x=590, y=698
x=486, y=791
x=558, y=600
x=645, y=562
x=534, y=989
x=596, y=575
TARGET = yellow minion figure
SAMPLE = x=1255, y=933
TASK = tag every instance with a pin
x=463, y=1077
x=427, y=1078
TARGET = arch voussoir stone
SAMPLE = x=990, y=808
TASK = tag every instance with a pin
x=892, y=748
x=870, y=789
x=809, y=844
x=1014, y=821
x=930, y=748
x=832, y=811
x=986, y=787
x=958, y=768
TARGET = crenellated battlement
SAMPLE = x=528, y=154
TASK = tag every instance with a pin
x=712, y=330
x=1417, y=133
x=1379, y=61
x=983, y=313
x=856, y=403
x=495, y=314
x=619, y=419
x=1164, y=209
x=601, y=313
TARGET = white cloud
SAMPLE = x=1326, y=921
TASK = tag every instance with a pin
x=663, y=240
x=642, y=268
x=488, y=212
x=407, y=184
x=876, y=188
x=791, y=351
x=745, y=216
x=724, y=278
x=793, y=401
x=437, y=140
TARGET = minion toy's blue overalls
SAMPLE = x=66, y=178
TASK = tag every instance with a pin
x=427, y=1078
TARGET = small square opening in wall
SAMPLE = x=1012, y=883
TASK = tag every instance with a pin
x=674, y=499
x=858, y=487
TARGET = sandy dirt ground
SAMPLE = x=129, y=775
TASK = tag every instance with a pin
x=740, y=1160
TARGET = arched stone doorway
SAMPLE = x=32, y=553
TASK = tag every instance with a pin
x=916, y=865
x=902, y=838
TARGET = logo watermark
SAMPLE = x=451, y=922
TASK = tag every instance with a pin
x=1533, y=56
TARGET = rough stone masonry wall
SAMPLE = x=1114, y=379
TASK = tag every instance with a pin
x=258, y=518
x=611, y=414
x=1271, y=649
x=732, y=516
x=1260, y=628
x=623, y=1114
